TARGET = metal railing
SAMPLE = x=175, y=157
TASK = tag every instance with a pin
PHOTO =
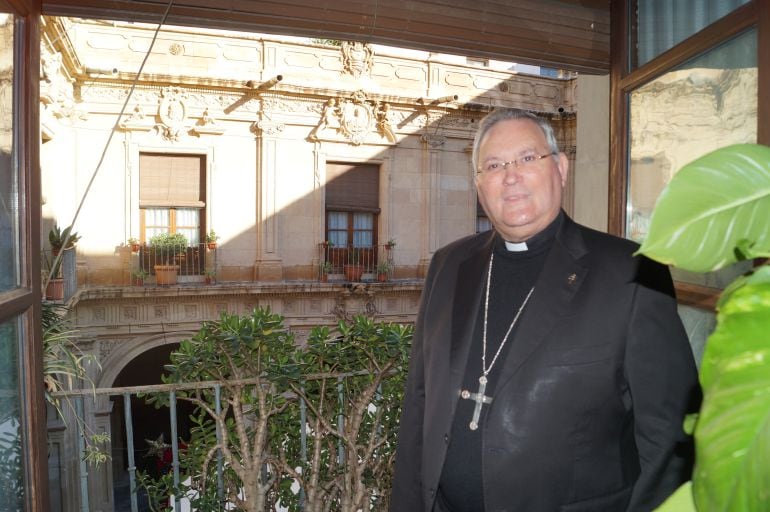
x=188, y=260
x=369, y=263
x=79, y=397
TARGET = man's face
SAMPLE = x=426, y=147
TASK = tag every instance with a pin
x=520, y=201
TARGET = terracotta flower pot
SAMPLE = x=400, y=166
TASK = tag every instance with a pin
x=55, y=289
x=353, y=272
x=166, y=274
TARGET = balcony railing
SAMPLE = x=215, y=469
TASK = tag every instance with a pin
x=188, y=261
x=368, y=263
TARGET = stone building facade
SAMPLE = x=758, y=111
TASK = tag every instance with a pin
x=269, y=119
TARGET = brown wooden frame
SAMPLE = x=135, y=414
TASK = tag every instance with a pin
x=755, y=13
x=25, y=301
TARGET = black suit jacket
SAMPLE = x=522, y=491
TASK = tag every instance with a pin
x=589, y=404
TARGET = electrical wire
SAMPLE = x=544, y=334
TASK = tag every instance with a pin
x=58, y=258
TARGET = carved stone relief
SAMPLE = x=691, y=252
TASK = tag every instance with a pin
x=173, y=113
x=355, y=118
x=357, y=58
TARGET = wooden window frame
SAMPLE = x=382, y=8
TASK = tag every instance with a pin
x=754, y=14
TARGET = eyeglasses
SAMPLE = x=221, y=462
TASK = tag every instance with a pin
x=493, y=167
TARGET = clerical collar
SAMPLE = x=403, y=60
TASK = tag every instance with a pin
x=539, y=240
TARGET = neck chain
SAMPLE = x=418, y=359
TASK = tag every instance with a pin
x=484, y=367
x=479, y=397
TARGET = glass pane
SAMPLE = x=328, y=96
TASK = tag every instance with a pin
x=662, y=24
x=188, y=223
x=156, y=221
x=9, y=193
x=363, y=229
x=705, y=104
x=337, y=228
x=11, y=481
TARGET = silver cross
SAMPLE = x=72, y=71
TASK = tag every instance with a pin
x=480, y=400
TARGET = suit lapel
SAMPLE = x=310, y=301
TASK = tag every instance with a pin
x=467, y=297
x=557, y=284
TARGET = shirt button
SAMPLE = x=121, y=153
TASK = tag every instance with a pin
x=446, y=438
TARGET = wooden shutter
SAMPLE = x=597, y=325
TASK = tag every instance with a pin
x=171, y=181
x=351, y=187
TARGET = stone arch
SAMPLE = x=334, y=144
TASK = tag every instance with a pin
x=127, y=351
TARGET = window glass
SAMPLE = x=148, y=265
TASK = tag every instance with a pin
x=188, y=223
x=338, y=228
x=707, y=103
x=662, y=24
x=11, y=470
x=363, y=229
x=9, y=206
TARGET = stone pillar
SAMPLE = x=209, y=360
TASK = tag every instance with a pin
x=431, y=213
x=268, y=265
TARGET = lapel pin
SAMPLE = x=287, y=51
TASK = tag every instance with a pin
x=571, y=279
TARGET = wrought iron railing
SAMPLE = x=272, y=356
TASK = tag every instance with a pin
x=368, y=263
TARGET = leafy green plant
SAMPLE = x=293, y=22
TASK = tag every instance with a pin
x=212, y=236
x=326, y=267
x=62, y=239
x=383, y=267
x=65, y=366
x=167, y=245
x=713, y=213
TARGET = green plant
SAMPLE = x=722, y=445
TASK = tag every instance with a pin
x=384, y=267
x=212, y=236
x=62, y=239
x=713, y=213
x=65, y=367
x=391, y=243
x=140, y=275
x=326, y=267
x=354, y=255
x=167, y=245
x=132, y=241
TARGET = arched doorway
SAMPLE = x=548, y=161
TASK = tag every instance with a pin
x=151, y=425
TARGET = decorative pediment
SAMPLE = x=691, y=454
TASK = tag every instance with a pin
x=208, y=125
x=173, y=113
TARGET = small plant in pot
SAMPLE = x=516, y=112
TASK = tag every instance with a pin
x=391, y=244
x=211, y=240
x=138, y=277
x=324, y=270
x=165, y=247
x=211, y=276
x=62, y=239
x=383, y=268
x=134, y=244
x=353, y=268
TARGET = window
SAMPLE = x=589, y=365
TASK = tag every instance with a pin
x=171, y=200
x=352, y=210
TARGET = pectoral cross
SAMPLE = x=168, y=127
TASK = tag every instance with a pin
x=480, y=400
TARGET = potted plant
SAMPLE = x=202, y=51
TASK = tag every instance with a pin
x=165, y=247
x=383, y=268
x=391, y=244
x=138, y=277
x=325, y=269
x=54, y=289
x=134, y=244
x=211, y=276
x=714, y=213
x=353, y=268
x=211, y=240
x=62, y=239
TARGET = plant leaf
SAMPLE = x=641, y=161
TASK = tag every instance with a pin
x=733, y=430
x=710, y=206
x=680, y=501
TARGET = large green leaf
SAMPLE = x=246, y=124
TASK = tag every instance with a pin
x=712, y=206
x=680, y=501
x=733, y=431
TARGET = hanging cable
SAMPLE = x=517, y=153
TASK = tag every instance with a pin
x=58, y=257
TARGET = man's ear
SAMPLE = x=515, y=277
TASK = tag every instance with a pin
x=563, y=166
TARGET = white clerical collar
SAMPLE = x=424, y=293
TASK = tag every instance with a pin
x=516, y=246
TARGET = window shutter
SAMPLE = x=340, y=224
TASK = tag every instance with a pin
x=171, y=181
x=352, y=187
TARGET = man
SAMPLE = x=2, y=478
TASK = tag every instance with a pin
x=549, y=368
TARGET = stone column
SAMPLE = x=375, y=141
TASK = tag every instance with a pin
x=431, y=213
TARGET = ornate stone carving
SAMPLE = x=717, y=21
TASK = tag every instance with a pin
x=56, y=92
x=433, y=140
x=173, y=113
x=176, y=49
x=208, y=125
x=357, y=58
x=355, y=118
x=106, y=347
